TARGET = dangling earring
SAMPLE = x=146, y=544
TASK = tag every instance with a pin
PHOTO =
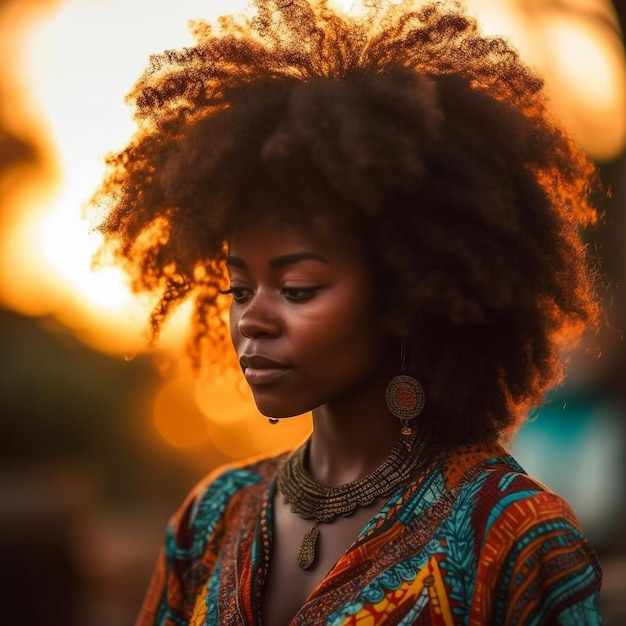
x=273, y=420
x=405, y=397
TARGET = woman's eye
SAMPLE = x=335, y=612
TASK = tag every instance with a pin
x=239, y=294
x=299, y=294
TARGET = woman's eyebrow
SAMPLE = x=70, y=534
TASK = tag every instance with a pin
x=290, y=259
x=236, y=262
x=281, y=261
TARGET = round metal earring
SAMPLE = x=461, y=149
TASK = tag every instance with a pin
x=273, y=420
x=405, y=397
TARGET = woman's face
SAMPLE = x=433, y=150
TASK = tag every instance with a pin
x=305, y=316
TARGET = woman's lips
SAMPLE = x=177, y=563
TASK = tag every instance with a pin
x=261, y=370
x=264, y=375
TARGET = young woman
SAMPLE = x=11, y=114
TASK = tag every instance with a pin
x=395, y=218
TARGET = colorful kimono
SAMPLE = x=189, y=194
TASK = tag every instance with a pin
x=474, y=541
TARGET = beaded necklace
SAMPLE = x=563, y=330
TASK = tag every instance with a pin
x=314, y=501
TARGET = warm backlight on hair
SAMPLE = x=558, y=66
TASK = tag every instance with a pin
x=77, y=66
x=74, y=69
x=71, y=64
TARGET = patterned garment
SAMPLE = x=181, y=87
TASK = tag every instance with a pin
x=474, y=541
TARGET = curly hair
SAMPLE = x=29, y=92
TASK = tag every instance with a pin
x=432, y=140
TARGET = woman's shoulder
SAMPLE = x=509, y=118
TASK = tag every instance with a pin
x=473, y=465
x=499, y=495
x=231, y=477
x=208, y=500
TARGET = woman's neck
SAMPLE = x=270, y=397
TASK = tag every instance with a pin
x=351, y=438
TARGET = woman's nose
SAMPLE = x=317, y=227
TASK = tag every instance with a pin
x=259, y=318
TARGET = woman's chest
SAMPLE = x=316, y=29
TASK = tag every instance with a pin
x=397, y=565
x=289, y=585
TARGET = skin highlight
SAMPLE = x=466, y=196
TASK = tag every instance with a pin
x=317, y=317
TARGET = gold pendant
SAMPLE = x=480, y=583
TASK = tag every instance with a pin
x=306, y=554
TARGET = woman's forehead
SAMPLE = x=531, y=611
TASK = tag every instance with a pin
x=320, y=234
x=300, y=226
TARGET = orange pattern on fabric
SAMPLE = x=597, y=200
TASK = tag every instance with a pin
x=428, y=583
x=472, y=541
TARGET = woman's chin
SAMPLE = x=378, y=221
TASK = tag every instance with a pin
x=279, y=410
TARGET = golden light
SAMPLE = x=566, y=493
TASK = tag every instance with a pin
x=226, y=400
x=74, y=62
x=176, y=416
x=591, y=69
x=578, y=48
x=77, y=67
x=218, y=408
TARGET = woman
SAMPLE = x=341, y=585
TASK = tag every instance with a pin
x=395, y=218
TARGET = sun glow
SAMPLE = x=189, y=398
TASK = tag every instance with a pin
x=77, y=67
x=73, y=71
x=72, y=63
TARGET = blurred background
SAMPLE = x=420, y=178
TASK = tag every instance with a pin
x=101, y=438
